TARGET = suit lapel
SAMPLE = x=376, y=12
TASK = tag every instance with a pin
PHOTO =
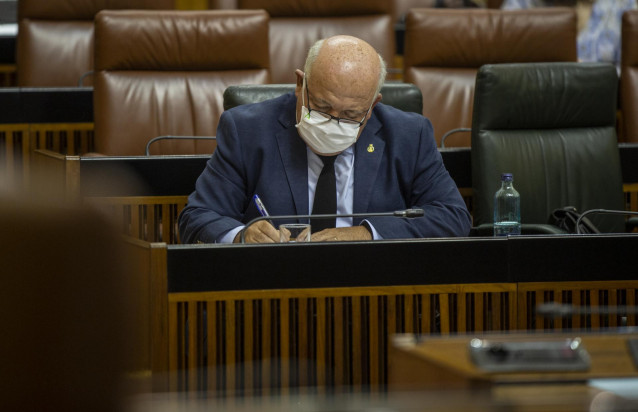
x=294, y=158
x=367, y=159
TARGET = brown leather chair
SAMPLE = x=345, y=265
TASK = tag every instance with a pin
x=444, y=49
x=55, y=39
x=629, y=77
x=295, y=25
x=165, y=72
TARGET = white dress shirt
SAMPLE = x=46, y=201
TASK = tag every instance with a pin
x=344, y=172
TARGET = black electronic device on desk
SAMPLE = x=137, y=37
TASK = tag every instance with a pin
x=565, y=354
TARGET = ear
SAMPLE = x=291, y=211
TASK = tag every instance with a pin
x=299, y=84
x=377, y=100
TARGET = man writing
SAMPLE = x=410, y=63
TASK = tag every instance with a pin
x=383, y=159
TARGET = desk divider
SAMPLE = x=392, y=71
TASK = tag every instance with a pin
x=335, y=339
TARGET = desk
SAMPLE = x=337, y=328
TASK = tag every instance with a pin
x=144, y=194
x=244, y=317
x=58, y=119
x=430, y=363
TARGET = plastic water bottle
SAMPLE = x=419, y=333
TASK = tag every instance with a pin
x=507, y=208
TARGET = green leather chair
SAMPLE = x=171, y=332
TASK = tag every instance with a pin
x=553, y=125
x=403, y=96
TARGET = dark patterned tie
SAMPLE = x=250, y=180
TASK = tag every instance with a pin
x=325, y=195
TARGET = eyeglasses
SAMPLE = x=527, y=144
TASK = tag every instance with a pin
x=349, y=123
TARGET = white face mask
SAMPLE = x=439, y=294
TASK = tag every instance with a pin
x=322, y=134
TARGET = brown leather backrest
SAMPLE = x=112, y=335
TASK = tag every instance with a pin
x=445, y=48
x=165, y=72
x=297, y=25
x=55, y=38
x=629, y=76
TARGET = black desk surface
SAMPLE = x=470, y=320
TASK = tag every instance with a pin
x=140, y=175
x=176, y=175
x=219, y=267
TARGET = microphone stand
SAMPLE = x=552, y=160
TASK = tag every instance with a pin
x=604, y=211
x=408, y=213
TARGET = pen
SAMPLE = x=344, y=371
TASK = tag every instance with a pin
x=260, y=206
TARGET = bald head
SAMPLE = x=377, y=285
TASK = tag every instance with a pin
x=348, y=63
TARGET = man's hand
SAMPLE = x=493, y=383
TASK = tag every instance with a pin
x=259, y=232
x=342, y=234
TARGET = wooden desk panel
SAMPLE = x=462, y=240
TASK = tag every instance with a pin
x=234, y=318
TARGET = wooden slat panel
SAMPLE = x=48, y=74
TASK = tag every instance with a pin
x=212, y=348
x=321, y=343
x=302, y=340
x=358, y=355
x=461, y=314
x=231, y=342
x=594, y=299
x=180, y=374
x=479, y=310
x=267, y=332
x=191, y=356
x=376, y=364
x=512, y=310
x=284, y=343
x=426, y=314
x=248, y=344
x=540, y=321
x=558, y=298
x=339, y=341
x=497, y=312
x=444, y=313
x=136, y=222
x=150, y=222
x=576, y=301
x=173, y=338
x=408, y=313
x=60, y=137
x=357, y=343
x=70, y=142
x=612, y=304
x=164, y=222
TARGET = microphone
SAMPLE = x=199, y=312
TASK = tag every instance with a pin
x=603, y=211
x=407, y=213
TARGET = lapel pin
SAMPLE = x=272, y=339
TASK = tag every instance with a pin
x=370, y=148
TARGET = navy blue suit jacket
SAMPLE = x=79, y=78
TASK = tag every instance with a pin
x=396, y=166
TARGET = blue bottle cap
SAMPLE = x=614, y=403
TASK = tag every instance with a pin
x=507, y=177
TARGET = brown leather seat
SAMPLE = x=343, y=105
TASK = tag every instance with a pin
x=629, y=77
x=295, y=25
x=55, y=38
x=444, y=49
x=165, y=72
